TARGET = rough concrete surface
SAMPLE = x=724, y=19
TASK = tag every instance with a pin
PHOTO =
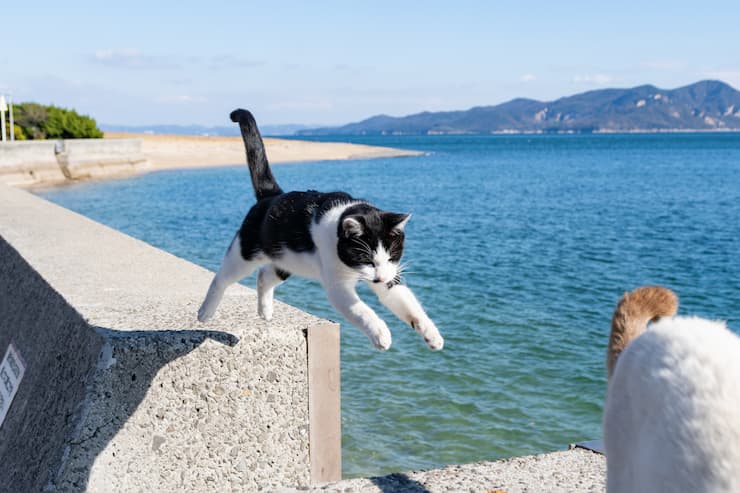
x=173, y=405
x=29, y=162
x=571, y=471
x=60, y=351
x=92, y=158
x=54, y=161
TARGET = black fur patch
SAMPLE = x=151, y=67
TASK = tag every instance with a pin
x=284, y=221
x=280, y=221
x=263, y=181
x=395, y=282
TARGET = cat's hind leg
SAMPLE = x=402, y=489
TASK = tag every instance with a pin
x=268, y=278
x=404, y=305
x=233, y=268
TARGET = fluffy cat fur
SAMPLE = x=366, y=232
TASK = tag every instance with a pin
x=331, y=237
x=672, y=413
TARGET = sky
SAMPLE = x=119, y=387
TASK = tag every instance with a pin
x=334, y=62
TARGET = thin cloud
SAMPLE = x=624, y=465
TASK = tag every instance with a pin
x=665, y=65
x=230, y=62
x=528, y=78
x=181, y=99
x=355, y=69
x=133, y=59
x=593, y=79
x=321, y=105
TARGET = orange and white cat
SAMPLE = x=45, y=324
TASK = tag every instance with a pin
x=672, y=414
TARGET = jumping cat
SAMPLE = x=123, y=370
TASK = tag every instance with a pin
x=331, y=237
x=672, y=413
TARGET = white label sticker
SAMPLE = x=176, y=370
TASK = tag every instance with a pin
x=11, y=372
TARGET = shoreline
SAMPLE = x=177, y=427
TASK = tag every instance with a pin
x=51, y=163
x=189, y=151
x=635, y=131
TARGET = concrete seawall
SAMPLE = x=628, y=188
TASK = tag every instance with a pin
x=124, y=391
x=55, y=161
x=31, y=460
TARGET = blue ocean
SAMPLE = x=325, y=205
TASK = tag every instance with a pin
x=519, y=247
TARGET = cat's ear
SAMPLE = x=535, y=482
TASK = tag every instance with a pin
x=397, y=221
x=351, y=227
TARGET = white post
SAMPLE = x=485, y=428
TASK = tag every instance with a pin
x=12, y=128
x=3, y=107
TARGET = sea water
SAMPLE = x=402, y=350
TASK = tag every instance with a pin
x=518, y=246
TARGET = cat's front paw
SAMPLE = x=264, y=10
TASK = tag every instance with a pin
x=380, y=337
x=426, y=328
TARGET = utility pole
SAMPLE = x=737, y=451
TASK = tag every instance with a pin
x=3, y=108
x=12, y=128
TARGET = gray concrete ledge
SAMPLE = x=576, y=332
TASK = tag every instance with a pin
x=32, y=162
x=571, y=471
x=58, y=364
x=160, y=402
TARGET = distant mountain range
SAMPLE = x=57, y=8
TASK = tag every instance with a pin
x=288, y=129
x=703, y=106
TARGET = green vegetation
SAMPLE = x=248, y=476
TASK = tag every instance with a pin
x=34, y=121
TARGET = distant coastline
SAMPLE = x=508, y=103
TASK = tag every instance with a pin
x=547, y=132
x=37, y=163
x=591, y=132
x=190, y=151
x=708, y=105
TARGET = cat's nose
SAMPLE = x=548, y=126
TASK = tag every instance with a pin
x=380, y=277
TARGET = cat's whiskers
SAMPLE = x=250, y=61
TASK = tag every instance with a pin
x=365, y=247
x=402, y=270
x=351, y=276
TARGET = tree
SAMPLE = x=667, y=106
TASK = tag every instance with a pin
x=30, y=118
x=34, y=121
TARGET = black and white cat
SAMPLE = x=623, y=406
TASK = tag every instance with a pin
x=331, y=237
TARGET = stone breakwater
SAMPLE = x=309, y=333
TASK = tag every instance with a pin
x=28, y=163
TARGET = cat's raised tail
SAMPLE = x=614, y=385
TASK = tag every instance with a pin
x=264, y=183
x=632, y=314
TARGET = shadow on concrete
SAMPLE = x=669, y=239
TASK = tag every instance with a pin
x=128, y=364
x=185, y=335
x=73, y=398
x=398, y=483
